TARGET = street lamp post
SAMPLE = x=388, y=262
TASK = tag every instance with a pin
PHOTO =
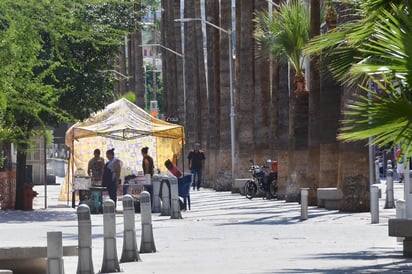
x=232, y=100
x=183, y=72
x=145, y=83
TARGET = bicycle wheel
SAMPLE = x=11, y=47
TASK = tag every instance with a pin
x=250, y=189
x=273, y=188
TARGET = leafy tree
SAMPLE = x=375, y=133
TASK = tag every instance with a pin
x=52, y=55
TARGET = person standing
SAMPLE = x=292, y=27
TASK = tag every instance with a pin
x=148, y=170
x=95, y=168
x=196, y=159
x=147, y=165
x=111, y=174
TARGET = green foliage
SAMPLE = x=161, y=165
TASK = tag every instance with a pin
x=374, y=52
x=52, y=54
x=285, y=32
x=130, y=96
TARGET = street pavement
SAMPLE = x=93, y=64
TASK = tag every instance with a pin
x=226, y=233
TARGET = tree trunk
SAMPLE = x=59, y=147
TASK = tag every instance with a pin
x=247, y=97
x=314, y=110
x=195, y=77
x=181, y=91
x=298, y=146
x=21, y=175
x=136, y=82
x=263, y=108
x=201, y=88
x=154, y=49
x=171, y=92
x=191, y=79
x=330, y=101
x=353, y=168
x=281, y=84
x=224, y=168
x=213, y=87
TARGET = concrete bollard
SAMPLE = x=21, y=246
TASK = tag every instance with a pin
x=377, y=172
x=165, y=211
x=156, y=206
x=400, y=214
x=389, y=165
x=147, y=244
x=85, y=263
x=174, y=191
x=374, y=204
x=389, y=202
x=304, y=193
x=55, y=253
x=407, y=192
x=130, y=252
x=110, y=260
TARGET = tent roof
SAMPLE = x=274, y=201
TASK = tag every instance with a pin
x=122, y=120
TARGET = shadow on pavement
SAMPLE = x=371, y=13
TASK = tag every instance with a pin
x=19, y=216
x=393, y=266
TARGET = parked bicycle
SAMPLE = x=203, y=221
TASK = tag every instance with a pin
x=263, y=181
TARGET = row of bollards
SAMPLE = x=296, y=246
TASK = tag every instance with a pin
x=110, y=263
x=169, y=207
x=374, y=198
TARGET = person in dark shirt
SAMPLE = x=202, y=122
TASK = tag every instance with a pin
x=196, y=159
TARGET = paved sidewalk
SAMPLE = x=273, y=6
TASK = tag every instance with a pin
x=227, y=233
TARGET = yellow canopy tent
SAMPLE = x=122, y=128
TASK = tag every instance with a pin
x=127, y=128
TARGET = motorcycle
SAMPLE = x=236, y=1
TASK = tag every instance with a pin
x=263, y=181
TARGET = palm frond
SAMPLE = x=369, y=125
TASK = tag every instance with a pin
x=378, y=38
x=285, y=32
x=386, y=115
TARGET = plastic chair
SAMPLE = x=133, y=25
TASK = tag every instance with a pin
x=184, y=189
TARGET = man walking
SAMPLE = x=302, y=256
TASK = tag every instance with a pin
x=196, y=159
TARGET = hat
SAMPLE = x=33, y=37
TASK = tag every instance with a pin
x=197, y=145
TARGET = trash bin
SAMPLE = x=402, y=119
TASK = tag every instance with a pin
x=29, y=195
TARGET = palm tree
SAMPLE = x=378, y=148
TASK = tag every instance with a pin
x=213, y=86
x=284, y=34
x=387, y=65
x=371, y=51
x=247, y=100
x=314, y=109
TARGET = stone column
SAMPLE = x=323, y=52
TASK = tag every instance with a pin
x=389, y=202
x=130, y=252
x=304, y=193
x=85, y=263
x=165, y=211
x=375, y=204
x=147, y=244
x=174, y=190
x=55, y=253
x=156, y=205
x=110, y=260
